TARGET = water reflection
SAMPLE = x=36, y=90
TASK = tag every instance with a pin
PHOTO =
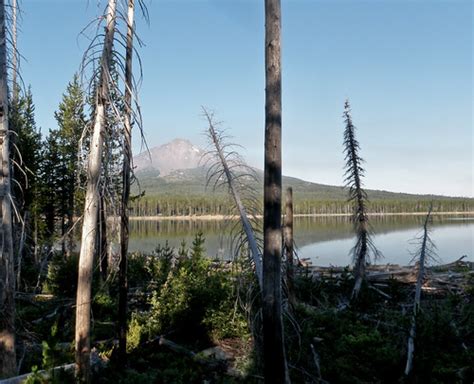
x=326, y=240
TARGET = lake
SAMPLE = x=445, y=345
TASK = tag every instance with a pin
x=324, y=240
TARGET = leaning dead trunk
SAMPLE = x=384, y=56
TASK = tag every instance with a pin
x=7, y=272
x=246, y=225
x=274, y=359
x=91, y=208
x=126, y=170
x=423, y=256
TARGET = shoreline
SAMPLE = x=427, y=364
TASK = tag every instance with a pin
x=224, y=217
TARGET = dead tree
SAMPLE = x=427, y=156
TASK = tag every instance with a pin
x=274, y=359
x=353, y=179
x=423, y=256
x=222, y=170
x=91, y=208
x=7, y=270
x=126, y=171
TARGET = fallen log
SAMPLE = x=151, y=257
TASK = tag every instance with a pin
x=44, y=374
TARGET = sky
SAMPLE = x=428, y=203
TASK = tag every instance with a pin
x=405, y=65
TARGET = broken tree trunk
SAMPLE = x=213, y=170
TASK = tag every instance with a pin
x=91, y=208
x=7, y=270
x=274, y=359
x=416, y=305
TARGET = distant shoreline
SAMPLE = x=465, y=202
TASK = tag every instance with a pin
x=224, y=217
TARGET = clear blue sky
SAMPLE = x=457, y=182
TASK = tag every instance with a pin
x=405, y=65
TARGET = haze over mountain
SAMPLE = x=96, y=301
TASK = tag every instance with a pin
x=176, y=168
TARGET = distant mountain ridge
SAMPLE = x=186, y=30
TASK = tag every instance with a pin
x=163, y=160
x=176, y=168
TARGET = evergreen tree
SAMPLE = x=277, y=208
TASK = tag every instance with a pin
x=29, y=148
x=52, y=172
x=27, y=157
x=71, y=119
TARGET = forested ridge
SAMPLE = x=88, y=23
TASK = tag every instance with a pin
x=215, y=204
x=163, y=196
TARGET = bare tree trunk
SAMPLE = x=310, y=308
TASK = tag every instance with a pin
x=416, y=304
x=127, y=158
x=7, y=270
x=275, y=366
x=91, y=208
x=288, y=243
x=15, y=50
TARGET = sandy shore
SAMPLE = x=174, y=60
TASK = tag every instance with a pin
x=223, y=217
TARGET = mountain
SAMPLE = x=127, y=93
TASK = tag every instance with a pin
x=175, y=168
x=163, y=160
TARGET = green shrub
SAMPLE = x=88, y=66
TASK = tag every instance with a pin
x=195, y=300
x=62, y=275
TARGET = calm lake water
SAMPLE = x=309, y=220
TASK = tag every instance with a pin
x=324, y=240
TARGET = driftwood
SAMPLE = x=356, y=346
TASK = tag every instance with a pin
x=450, y=277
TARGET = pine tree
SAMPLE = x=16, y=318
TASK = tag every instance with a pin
x=27, y=158
x=71, y=119
x=52, y=169
x=29, y=147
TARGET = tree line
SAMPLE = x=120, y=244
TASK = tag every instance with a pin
x=199, y=205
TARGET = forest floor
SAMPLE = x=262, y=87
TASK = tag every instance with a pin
x=194, y=320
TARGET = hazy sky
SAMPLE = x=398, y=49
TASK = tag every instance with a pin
x=405, y=65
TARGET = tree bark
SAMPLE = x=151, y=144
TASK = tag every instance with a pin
x=15, y=50
x=275, y=366
x=7, y=270
x=126, y=170
x=91, y=208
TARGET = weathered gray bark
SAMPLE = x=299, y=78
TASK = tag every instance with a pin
x=15, y=50
x=91, y=208
x=126, y=170
x=247, y=227
x=288, y=243
x=7, y=270
x=416, y=305
x=275, y=366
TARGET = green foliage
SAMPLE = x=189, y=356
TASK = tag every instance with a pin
x=136, y=331
x=35, y=377
x=60, y=170
x=193, y=298
x=366, y=342
x=62, y=275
